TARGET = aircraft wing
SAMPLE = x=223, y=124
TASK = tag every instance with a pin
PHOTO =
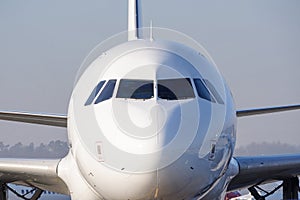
x=34, y=118
x=259, y=111
x=254, y=170
x=41, y=174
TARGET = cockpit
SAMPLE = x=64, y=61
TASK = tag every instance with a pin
x=163, y=89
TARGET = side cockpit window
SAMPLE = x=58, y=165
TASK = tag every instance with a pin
x=135, y=89
x=206, y=90
x=94, y=93
x=105, y=94
x=107, y=91
x=175, y=89
x=214, y=92
x=202, y=90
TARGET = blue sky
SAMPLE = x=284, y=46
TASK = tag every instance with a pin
x=255, y=44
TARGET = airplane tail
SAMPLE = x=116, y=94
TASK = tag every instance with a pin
x=134, y=20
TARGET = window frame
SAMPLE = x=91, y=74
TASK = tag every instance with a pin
x=110, y=83
x=211, y=99
x=147, y=81
x=191, y=96
x=213, y=91
x=95, y=92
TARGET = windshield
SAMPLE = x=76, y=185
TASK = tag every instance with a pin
x=107, y=91
x=135, y=89
x=175, y=89
x=168, y=89
x=214, y=91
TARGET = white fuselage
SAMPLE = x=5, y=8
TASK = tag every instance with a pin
x=150, y=120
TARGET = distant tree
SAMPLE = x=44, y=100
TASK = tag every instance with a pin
x=54, y=149
x=29, y=150
x=266, y=149
x=17, y=149
x=3, y=147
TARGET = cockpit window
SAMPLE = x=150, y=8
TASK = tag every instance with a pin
x=202, y=90
x=107, y=91
x=94, y=93
x=168, y=89
x=135, y=89
x=175, y=89
x=213, y=90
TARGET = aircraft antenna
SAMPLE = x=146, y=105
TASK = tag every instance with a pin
x=151, y=31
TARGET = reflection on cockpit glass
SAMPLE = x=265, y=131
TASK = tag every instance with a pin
x=175, y=89
x=214, y=91
x=107, y=91
x=94, y=93
x=202, y=90
x=135, y=89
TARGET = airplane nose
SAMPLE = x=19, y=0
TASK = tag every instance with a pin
x=140, y=120
x=148, y=142
x=152, y=124
x=153, y=133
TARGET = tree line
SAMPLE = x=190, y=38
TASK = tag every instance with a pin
x=58, y=149
x=54, y=149
x=267, y=148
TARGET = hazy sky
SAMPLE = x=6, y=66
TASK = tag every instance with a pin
x=255, y=44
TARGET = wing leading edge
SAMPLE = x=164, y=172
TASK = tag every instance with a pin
x=259, y=169
x=32, y=118
x=31, y=172
x=259, y=111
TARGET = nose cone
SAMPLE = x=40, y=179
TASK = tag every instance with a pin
x=140, y=119
x=152, y=133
